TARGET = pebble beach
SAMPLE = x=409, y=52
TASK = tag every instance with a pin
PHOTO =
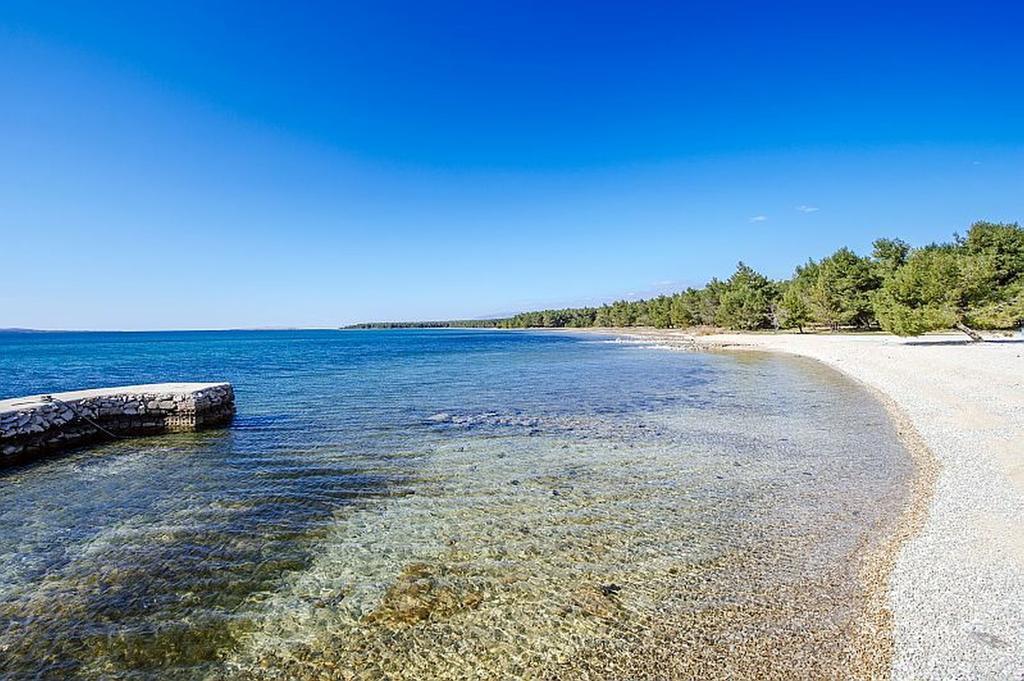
x=953, y=586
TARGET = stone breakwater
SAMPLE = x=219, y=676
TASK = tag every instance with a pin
x=48, y=423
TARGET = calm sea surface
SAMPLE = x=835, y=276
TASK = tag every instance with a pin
x=423, y=504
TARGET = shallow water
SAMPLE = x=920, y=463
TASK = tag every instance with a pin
x=415, y=504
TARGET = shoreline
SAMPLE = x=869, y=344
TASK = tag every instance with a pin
x=937, y=579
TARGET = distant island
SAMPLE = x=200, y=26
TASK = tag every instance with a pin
x=970, y=283
x=450, y=324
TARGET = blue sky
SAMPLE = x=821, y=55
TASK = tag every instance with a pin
x=239, y=164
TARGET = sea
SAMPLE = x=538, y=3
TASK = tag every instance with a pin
x=446, y=503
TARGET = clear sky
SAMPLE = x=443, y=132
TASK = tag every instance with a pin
x=228, y=164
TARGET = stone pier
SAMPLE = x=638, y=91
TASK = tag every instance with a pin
x=42, y=424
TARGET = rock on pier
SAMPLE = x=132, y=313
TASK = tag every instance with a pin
x=49, y=423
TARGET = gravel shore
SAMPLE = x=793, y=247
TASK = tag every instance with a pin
x=956, y=588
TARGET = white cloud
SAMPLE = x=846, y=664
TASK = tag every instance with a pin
x=807, y=209
x=759, y=218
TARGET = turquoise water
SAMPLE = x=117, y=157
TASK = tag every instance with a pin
x=437, y=503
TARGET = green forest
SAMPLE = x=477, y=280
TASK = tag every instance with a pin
x=971, y=283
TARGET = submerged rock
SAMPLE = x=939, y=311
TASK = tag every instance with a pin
x=419, y=594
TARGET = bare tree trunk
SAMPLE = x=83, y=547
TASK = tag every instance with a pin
x=975, y=336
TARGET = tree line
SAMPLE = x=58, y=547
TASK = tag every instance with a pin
x=973, y=282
